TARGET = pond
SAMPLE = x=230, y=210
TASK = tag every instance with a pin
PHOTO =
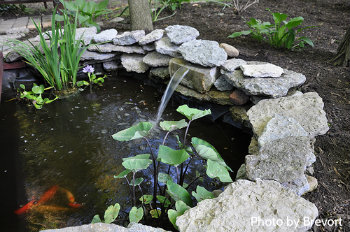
x=68, y=144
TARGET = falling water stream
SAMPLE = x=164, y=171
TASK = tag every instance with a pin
x=172, y=85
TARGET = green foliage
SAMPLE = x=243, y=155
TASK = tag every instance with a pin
x=87, y=11
x=57, y=60
x=173, y=125
x=161, y=5
x=138, y=131
x=165, y=190
x=281, y=34
x=135, y=214
x=35, y=96
x=202, y=194
x=171, y=156
x=110, y=215
x=181, y=208
x=177, y=192
x=192, y=113
x=137, y=163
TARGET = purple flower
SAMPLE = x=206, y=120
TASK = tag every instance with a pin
x=88, y=69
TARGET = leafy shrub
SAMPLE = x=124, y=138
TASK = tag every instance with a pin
x=88, y=11
x=281, y=34
x=166, y=189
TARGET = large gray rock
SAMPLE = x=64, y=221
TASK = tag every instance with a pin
x=198, y=78
x=155, y=59
x=261, y=70
x=159, y=74
x=284, y=160
x=280, y=127
x=306, y=109
x=105, y=36
x=129, y=37
x=116, y=48
x=152, y=37
x=274, y=87
x=232, y=64
x=86, y=34
x=204, y=52
x=103, y=227
x=244, y=203
x=134, y=63
x=88, y=55
x=165, y=47
x=179, y=34
x=222, y=84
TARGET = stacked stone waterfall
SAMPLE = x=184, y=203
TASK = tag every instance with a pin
x=261, y=95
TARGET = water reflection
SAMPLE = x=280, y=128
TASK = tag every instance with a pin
x=69, y=144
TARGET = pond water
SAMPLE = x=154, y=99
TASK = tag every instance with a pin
x=68, y=144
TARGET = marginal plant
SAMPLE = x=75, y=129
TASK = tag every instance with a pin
x=281, y=34
x=35, y=96
x=170, y=187
x=58, y=59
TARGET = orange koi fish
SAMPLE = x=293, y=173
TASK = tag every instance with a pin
x=48, y=194
x=25, y=208
x=71, y=199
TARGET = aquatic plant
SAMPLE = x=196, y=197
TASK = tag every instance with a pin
x=93, y=79
x=281, y=34
x=35, y=96
x=166, y=189
x=58, y=59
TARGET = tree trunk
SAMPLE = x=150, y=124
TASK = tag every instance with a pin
x=343, y=53
x=140, y=15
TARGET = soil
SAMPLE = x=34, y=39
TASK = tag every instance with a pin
x=331, y=18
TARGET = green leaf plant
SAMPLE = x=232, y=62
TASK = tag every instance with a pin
x=281, y=34
x=35, y=96
x=169, y=188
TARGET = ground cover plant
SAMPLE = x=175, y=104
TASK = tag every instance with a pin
x=169, y=188
x=35, y=95
x=280, y=34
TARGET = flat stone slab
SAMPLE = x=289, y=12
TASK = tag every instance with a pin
x=103, y=227
x=152, y=37
x=261, y=70
x=110, y=66
x=231, y=65
x=149, y=47
x=203, y=52
x=161, y=73
x=284, y=160
x=306, y=109
x=105, y=36
x=116, y=48
x=244, y=203
x=129, y=37
x=179, y=34
x=165, y=47
x=222, y=84
x=155, y=59
x=198, y=78
x=274, y=87
x=134, y=63
x=87, y=55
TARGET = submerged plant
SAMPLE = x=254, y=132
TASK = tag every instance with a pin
x=281, y=34
x=35, y=96
x=170, y=187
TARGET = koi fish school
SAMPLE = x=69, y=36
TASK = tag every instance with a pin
x=49, y=194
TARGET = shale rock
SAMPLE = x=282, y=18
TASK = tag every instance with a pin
x=116, y=48
x=179, y=34
x=165, y=47
x=129, y=37
x=134, y=63
x=261, y=70
x=155, y=59
x=105, y=36
x=151, y=37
